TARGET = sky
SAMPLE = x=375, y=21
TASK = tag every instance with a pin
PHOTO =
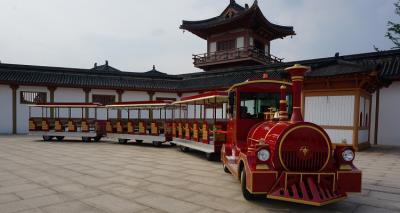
x=134, y=35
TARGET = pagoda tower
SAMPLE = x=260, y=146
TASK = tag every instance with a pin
x=239, y=36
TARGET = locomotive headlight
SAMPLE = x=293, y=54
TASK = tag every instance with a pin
x=348, y=155
x=263, y=155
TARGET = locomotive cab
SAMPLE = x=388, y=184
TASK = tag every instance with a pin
x=281, y=158
x=248, y=104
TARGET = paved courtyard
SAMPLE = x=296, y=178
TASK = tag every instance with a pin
x=106, y=177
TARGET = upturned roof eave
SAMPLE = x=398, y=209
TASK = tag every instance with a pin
x=209, y=24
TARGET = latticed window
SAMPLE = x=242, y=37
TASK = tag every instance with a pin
x=226, y=45
x=28, y=97
x=103, y=99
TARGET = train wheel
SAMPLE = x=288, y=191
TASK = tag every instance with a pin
x=86, y=139
x=184, y=148
x=97, y=138
x=122, y=141
x=47, y=138
x=246, y=194
x=172, y=144
x=139, y=141
x=60, y=138
x=226, y=168
x=157, y=143
x=210, y=156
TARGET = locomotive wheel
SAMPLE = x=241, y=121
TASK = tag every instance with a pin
x=60, y=138
x=226, y=169
x=246, y=194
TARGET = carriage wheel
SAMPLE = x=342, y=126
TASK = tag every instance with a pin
x=157, y=143
x=122, y=141
x=184, y=148
x=86, y=139
x=226, y=168
x=47, y=138
x=60, y=138
x=210, y=156
x=246, y=194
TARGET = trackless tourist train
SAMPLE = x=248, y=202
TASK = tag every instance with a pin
x=284, y=159
x=248, y=126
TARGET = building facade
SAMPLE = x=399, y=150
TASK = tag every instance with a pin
x=353, y=97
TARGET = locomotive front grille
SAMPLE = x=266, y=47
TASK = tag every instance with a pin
x=293, y=161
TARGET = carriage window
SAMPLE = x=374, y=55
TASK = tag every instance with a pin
x=253, y=105
x=33, y=97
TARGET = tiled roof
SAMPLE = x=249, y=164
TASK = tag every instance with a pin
x=253, y=13
x=386, y=62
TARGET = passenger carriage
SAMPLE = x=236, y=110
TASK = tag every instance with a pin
x=56, y=121
x=202, y=126
x=147, y=121
x=281, y=158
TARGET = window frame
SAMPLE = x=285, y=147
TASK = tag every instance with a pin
x=31, y=95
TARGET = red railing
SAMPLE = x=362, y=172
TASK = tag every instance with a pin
x=235, y=54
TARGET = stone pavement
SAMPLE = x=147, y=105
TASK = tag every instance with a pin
x=106, y=177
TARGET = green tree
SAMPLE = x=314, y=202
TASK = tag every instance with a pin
x=393, y=32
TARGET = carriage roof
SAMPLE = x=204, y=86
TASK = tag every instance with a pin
x=269, y=81
x=204, y=98
x=140, y=105
x=67, y=105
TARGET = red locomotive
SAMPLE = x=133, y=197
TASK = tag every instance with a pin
x=284, y=159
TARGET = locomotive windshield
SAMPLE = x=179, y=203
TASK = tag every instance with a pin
x=253, y=105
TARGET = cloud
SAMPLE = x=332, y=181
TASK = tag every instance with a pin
x=135, y=34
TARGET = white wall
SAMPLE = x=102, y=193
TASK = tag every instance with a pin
x=389, y=115
x=329, y=110
x=6, y=109
x=134, y=96
x=102, y=113
x=165, y=95
x=69, y=95
x=23, y=109
x=190, y=109
x=340, y=135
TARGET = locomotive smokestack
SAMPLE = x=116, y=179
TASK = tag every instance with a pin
x=297, y=75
